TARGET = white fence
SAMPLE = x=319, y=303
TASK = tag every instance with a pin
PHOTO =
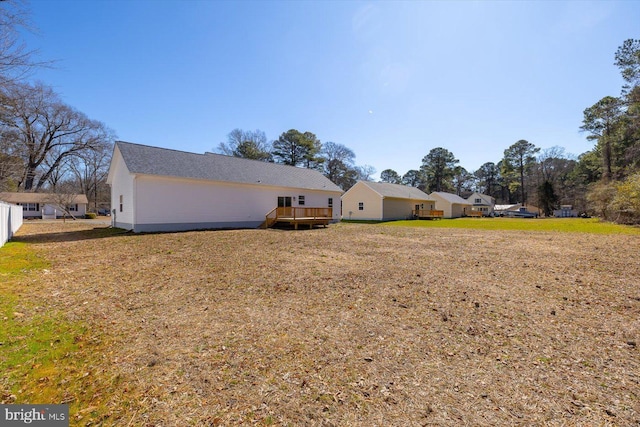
x=10, y=221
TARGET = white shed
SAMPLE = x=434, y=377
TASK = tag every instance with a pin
x=158, y=189
x=452, y=205
x=382, y=201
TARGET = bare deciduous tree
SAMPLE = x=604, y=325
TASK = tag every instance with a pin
x=63, y=198
x=16, y=60
x=90, y=170
x=365, y=172
x=10, y=162
x=47, y=131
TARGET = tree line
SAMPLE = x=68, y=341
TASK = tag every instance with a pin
x=604, y=181
x=295, y=148
x=46, y=145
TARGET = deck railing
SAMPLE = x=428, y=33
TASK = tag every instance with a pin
x=304, y=213
x=427, y=213
x=297, y=214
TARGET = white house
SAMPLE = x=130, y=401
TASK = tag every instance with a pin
x=452, y=205
x=482, y=203
x=159, y=189
x=48, y=205
x=382, y=201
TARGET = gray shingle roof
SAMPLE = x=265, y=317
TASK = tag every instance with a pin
x=397, y=191
x=143, y=159
x=27, y=197
x=451, y=198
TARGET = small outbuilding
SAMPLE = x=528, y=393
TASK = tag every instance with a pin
x=381, y=201
x=451, y=204
x=565, y=211
x=159, y=189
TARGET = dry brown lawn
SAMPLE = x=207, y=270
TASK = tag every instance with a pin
x=356, y=324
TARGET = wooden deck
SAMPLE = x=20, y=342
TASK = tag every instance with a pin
x=299, y=215
x=427, y=214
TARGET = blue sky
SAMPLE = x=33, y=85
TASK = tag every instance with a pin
x=390, y=80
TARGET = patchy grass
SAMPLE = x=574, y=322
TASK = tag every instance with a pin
x=564, y=225
x=46, y=357
x=356, y=324
x=18, y=258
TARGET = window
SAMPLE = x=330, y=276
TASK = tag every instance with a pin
x=300, y=200
x=73, y=208
x=121, y=203
x=360, y=206
x=477, y=201
x=330, y=202
x=30, y=207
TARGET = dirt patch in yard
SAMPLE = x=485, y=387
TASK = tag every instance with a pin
x=357, y=324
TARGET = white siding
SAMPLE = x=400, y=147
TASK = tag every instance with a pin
x=122, y=183
x=167, y=202
x=55, y=211
x=32, y=214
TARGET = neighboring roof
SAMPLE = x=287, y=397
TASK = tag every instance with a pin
x=450, y=197
x=397, y=191
x=42, y=198
x=143, y=159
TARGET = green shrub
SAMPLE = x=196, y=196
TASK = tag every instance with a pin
x=90, y=215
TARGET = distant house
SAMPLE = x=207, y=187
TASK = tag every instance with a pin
x=452, y=205
x=158, y=189
x=48, y=205
x=482, y=203
x=381, y=201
